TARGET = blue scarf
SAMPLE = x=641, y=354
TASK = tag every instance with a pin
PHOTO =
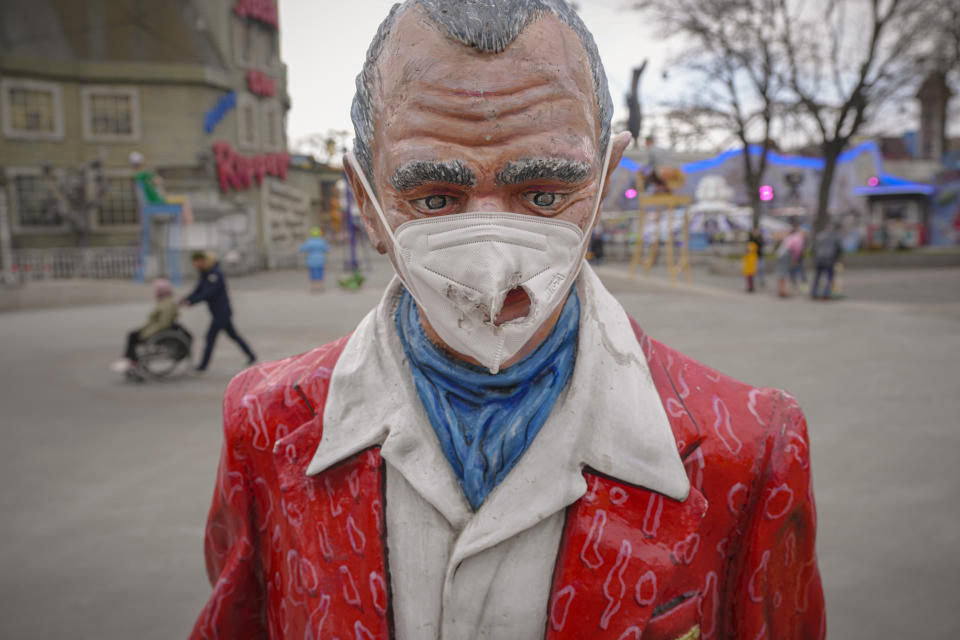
x=484, y=421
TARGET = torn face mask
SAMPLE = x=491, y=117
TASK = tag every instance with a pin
x=461, y=269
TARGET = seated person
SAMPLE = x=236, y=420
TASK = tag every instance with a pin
x=163, y=316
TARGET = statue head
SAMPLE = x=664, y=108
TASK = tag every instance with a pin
x=481, y=106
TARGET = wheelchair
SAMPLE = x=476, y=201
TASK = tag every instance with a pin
x=161, y=354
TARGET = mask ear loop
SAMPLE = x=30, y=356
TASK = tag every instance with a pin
x=596, y=210
x=352, y=159
x=396, y=252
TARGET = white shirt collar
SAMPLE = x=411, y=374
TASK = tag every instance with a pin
x=610, y=418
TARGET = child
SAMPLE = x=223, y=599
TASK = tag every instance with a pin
x=316, y=249
x=750, y=263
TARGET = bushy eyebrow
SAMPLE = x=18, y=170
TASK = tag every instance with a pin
x=420, y=172
x=555, y=169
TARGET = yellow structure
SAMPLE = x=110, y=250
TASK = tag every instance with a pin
x=663, y=205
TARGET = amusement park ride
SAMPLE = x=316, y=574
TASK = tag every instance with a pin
x=662, y=203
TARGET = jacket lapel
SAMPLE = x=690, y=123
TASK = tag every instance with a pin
x=620, y=548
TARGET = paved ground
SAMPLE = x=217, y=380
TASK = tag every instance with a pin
x=105, y=485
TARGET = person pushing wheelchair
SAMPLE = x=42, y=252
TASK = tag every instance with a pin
x=212, y=289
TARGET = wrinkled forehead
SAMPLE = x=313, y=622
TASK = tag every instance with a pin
x=422, y=71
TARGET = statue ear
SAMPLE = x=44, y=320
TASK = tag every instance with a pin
x=619, y=143
x=371, y=221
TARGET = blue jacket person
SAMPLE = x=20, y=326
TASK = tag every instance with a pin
x=212, y=289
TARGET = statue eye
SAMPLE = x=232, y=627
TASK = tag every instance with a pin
x=435, y=203
x=544, y=199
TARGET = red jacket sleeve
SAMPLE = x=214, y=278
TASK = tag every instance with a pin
x=235, y=610
x=776, y=588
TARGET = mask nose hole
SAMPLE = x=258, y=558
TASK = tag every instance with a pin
x=517, y=304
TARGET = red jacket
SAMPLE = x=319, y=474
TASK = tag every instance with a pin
x=297, y=556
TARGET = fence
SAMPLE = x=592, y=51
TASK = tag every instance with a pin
x=89, y=262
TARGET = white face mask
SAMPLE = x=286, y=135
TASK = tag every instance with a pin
x=460, y=267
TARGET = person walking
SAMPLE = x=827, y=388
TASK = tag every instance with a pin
x=212, y=289
x=756, y=236
x=596, y=244
x=789, y=255
x=826, y=252
x=797, y=243
x=750, y=262
x=316, y=248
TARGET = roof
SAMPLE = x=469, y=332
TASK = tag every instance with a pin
x=891, y=185
x=106, y=31
x=787, y=160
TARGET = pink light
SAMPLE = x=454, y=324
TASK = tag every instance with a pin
x=766, y=193
x=873, y=181
x=630, y=193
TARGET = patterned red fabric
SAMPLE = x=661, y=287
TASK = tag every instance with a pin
x=297, y=556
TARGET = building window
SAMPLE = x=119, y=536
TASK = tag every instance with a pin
x=255, y=45
x=269, y=39
x=32, y=110
x=243, y=41
x=111, y=114
x=247, y=121
x=33, y=202
x=119, y=204
x=270, y=122
x=272, y=126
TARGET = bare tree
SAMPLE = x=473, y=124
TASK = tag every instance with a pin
x=329, y=146
x=73, y=195
x=690, y=128
x=845, y=59
x=732, y=50
x=947, y=39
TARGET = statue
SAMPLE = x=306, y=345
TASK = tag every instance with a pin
x=634, y=108
x=498, y=450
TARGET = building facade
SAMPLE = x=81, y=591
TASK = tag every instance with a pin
x=197, y=87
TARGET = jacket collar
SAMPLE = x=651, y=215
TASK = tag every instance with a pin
x=610, y=419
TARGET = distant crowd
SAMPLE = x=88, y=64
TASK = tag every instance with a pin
x=789, y=255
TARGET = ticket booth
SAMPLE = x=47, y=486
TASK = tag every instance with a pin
x=897, y=215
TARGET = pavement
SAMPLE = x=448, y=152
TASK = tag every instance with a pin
x=105, y=485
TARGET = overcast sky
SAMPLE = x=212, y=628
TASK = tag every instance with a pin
x=323, y=43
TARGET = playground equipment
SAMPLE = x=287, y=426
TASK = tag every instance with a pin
x=167, y=217
x=664, y=206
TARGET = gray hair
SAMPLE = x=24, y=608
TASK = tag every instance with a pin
x=488, y=26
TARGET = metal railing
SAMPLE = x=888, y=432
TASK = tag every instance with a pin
x=114, y=263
